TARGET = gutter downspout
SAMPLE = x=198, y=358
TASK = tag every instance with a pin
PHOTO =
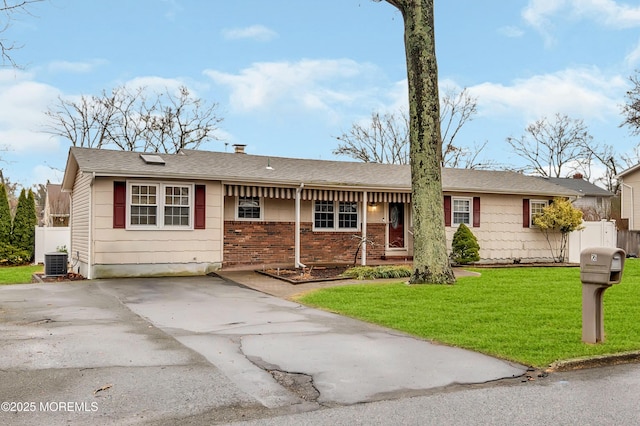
x=296, y=249
x=90, y=233
x=631, y=215
x=364, y=228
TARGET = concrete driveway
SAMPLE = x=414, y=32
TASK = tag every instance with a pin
x=148, y=350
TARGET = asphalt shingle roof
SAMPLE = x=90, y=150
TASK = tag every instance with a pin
x=256, y=169
x=582, y=186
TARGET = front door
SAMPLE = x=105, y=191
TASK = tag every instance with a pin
x=396, y=225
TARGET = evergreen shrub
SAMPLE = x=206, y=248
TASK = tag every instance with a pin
x=464, y=247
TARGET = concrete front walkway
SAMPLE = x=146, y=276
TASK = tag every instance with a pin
x=275, y=287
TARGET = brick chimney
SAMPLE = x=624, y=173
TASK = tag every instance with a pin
x=578, y=176
x=239, y=148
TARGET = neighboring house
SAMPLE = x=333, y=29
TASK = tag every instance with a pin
x=56, y=207
x=595, y=202
x=136, y=214
x=630, y=191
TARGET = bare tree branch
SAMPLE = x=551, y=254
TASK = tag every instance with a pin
x=552, y=148
x=135, y=120
x=631, y=110
x=8, y=9
x=456, y=109
x=386, y=138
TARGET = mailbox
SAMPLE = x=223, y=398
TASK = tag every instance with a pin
x=601, y=265
x=600, y=268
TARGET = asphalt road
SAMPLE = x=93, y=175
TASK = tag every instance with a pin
x=199, y=351
x=599, y=396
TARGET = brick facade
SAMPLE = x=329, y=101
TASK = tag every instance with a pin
x=271, y=243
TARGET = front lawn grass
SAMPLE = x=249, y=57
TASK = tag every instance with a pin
x=530, y=315
x=18, y=274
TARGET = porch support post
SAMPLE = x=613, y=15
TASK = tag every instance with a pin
x=297, y=228
x=365, y=203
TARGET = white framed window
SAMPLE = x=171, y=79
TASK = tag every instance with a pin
x=159, y=206
x=348, y=215
x=143, y=205
x=177, y=205
x=325, y=217
x=461, y=211
x=536, y=207
x=249, y=208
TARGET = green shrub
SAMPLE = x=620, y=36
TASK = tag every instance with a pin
x=377, y=272
x=24, y=222
x=12, y=256
x=5, y=217
x=465, y=247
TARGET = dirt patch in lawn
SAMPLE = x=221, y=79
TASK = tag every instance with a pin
x=307, y=275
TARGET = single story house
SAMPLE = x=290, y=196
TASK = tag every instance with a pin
x=136, y=214
x=595, y=202
x=56, y=207
x=629, y=196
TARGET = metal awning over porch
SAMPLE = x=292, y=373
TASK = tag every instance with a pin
x=316, y=194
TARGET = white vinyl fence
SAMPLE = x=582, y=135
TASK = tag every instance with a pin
x=50, y=239
x=594, y=234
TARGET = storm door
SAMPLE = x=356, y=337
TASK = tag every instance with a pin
x=396, y=225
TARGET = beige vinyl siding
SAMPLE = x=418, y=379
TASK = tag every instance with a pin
x=501, y=234
x=631, y=199
x=125, y=246
x=273, y=210
x=80, y=217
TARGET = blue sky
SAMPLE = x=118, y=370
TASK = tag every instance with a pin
x=290, y=76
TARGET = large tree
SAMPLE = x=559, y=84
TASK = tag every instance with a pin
x=554, y=148
x=430, y=259
x=8, y=10
x=385, y=139
x=135, y=120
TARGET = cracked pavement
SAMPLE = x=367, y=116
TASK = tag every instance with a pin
x=173, y=348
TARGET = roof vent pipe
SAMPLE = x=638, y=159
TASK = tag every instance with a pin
x=239, y=148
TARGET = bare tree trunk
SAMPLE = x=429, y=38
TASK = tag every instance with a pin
x=430, y=259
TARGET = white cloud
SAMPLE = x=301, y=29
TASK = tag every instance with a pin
x=539, y=13
x=633, y=58
x=511, y=31
x=581, y=93
x=23, y=103
x=254, y=32
x=9, y=76
x=76, y=67
x=311, y=84
x=21, y=140
x=612, y=13
x=158, y=84
x=42, y=174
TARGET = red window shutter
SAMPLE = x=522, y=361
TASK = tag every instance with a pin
x=476, y=212
x=119, y=204
x=526, y=221
x=200, y=212
x=447, y=210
